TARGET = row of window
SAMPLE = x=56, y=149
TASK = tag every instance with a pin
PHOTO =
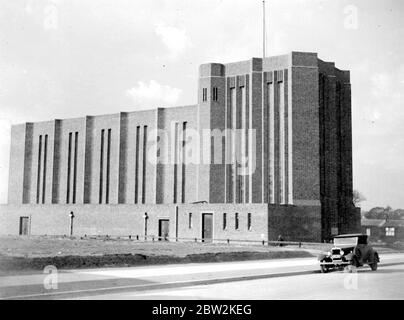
x=215, y=94
x=224, y=221
x=389, y=231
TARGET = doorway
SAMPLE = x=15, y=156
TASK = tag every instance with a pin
x=207, y=227
x=24, y=225
x=164, y=227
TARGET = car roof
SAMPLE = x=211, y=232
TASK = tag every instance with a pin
x=350, y=235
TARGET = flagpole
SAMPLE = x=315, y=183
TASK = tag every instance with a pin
x=263, y=30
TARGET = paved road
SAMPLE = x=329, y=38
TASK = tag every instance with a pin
x=268, y=279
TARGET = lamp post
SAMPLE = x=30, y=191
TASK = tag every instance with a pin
x=145, y=216
x=71, y=223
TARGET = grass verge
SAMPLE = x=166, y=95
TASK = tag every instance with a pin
x=35, y=253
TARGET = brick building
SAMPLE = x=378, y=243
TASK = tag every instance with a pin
x=266, y=151
x=383, y=230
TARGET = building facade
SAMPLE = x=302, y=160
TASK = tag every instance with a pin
x=384, y=230
x=266, y=150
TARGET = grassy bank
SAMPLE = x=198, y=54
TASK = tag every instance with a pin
x=34, y=253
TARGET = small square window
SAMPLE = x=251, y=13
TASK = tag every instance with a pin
x=390, y=232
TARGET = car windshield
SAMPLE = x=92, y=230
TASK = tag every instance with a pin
x=350, y=241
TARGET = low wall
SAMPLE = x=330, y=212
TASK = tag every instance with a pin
x=124, y=220
x=294, y=223
x=258, y=213
x=114, y=220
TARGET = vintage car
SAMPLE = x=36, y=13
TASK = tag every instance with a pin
x=349, y=250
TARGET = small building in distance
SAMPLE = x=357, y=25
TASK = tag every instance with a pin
x=384, y=230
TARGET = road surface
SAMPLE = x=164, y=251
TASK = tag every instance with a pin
x=264, y=279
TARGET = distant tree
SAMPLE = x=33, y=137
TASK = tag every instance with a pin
x=384, y=213
x=357, y=198
x=376, y=213
x=399, y=213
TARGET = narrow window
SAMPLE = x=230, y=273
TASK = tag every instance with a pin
x=204, y=94
x=224, y=221
x=368, y=231
x=144, y=164
x=190, y=220
x=76, y=138
x=215, y=94
x=184, y=137
x=45, y=156
x=249, y=221
x=137, y=164
x=69, y=159
x=236, y=221
x=175, y=162
x=38, y=180
x=108, y=166
x=101, y=163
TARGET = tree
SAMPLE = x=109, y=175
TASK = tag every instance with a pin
x=357, y=198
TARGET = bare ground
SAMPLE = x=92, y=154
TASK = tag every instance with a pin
x=34, y=253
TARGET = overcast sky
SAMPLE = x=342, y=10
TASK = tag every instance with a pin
x=61, y=59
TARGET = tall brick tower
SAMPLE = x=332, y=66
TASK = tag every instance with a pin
x=300, y=110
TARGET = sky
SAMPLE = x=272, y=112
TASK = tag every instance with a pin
x=71, y=58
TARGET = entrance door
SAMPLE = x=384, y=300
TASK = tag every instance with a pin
x=164, y=226
x=24, y=223
x=207, y=227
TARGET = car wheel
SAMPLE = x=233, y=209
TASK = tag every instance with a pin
x=323, y=269
x=373, y=265
x=355, y=262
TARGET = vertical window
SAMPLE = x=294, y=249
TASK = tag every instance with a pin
x=45, y=156
x=368, y=231
x=190, y=220
x=215, y=94
x=204, y=94
x=144, y=164
x=224, y=221
x=184, y=137
x=69, y=159
x=38, y=180
x=72, y=164
x=101, y=164
x=137, y=164
x=108, y=166
x=233, y=143
x=175, y=162
x=249, y=221
x=236, y=221
x=390, y=232
x=76, y=139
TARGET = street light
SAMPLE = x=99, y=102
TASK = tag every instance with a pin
x=145, y=216
x=71, y=223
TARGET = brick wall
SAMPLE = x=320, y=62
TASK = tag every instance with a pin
x=295, y=223
x=292, y=222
